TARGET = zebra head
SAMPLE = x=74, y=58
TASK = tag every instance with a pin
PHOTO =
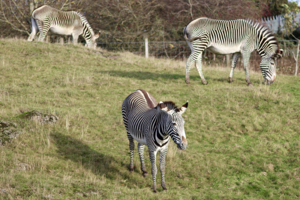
x=268, y=66
x=177, y=122
x=92, y=42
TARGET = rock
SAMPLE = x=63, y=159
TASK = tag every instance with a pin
x=48, y=196
x=40, y=117
x=7, y=124
x=23, y=167
x=3, y=190
x=8, y=131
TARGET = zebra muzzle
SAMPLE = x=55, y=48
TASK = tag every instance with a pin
x=183, y=143
x=268, y=82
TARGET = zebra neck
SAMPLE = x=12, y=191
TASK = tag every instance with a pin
x=160, y=138
x=266, y=43
x=161, y=135
x=88, y=32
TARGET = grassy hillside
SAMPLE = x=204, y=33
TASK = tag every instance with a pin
x=243, y=142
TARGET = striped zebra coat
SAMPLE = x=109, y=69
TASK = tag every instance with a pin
x=237, y=37
x=153, y=125
x=46, y=18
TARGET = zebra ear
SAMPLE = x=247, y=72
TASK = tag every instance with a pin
x=162, y=106
x=97, y=35
x=183, y=108
x=278, y=54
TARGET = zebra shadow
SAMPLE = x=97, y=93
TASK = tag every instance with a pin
x=147, y=75
x=167, y=76
x=75, y=150
x=235, y=79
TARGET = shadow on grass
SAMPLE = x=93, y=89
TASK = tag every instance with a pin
x=147, y=75
x=236, y=80
x=155, y=76
x=78, y=152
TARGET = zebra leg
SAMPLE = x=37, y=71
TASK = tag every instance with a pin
x=199, y=69
x=131, y=147
x=189, y=62
x=141, y=153
x=44, y=28
x=162, y=158
x=75, y=38
x=235, y=57
x=246, y=58
x=197, y=47
x=152, y=155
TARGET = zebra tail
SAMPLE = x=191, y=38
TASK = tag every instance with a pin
x=34, y=24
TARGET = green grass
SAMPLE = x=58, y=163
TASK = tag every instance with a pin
x=243, y=142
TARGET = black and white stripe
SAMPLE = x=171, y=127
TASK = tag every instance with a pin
x=72, y=23
x=232, y=36
x=153, y=125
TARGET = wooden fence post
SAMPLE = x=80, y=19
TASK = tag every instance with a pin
x=227, y=60
x=48, y=39
x=61, y=40
x=146, y=45
x=296, y=58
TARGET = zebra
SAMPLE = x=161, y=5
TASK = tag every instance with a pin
x=73, y=23
x=239, y=37
x=153, y=124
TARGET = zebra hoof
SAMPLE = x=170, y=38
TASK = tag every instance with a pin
x=165, y=189
x=154, y=190
x=204, y=82
x=250, y=84
x=145, y=174
x=230, y=80
x=131, y=169
x=187, y=82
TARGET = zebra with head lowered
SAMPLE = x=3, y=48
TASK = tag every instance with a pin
x=73, y=23
x=153, y=124
x=239, y=37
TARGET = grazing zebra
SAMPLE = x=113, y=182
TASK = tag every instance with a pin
x=73, y=23
x=239, y=37
x=153, y=124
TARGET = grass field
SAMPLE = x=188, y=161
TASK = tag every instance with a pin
x=243, y=142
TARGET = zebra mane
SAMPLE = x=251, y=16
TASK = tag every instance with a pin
x=264, y=29
x=171, y=106
x=85, y=22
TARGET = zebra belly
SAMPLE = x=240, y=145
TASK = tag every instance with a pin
x=61, y=30
x=141, y=140
x=224, y=49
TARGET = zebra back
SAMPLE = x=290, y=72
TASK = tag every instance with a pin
x=232, y=32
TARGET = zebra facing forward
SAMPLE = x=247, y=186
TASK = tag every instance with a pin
x=153, y=124
x=73, y=23
x=239, y=37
